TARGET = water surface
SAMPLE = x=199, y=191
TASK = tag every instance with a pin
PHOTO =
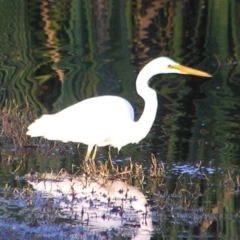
x=56, y=53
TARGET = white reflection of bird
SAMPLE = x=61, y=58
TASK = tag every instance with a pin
x=109, y=120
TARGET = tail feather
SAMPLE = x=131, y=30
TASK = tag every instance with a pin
x=42, y=127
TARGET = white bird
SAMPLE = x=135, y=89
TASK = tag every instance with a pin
x=109, y=120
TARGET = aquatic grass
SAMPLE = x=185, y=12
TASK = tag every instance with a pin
x=156, y=170
x=14, y=122
x=108, y=169
x=16, y=146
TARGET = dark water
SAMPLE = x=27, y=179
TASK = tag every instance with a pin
x=56, y=53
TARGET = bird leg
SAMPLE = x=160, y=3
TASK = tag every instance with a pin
x=94, y=152
x=89, y=150
x=110, y=158
x=89, y=163
x=109, y=153
x=92, y=159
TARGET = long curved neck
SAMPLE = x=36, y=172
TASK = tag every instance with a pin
x=150, y=108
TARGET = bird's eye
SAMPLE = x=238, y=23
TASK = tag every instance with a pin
x=171, y=66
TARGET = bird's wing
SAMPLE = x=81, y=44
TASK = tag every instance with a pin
x=91, y=121
x=96, y=121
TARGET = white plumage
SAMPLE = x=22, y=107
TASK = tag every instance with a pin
x=109, y=120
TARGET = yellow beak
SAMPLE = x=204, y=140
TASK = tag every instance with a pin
x=191, y=71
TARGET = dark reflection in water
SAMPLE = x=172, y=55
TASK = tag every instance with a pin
x=56, y=53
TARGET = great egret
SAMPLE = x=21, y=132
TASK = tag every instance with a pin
x=109, y=120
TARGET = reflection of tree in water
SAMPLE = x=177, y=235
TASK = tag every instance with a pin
x=153, y=28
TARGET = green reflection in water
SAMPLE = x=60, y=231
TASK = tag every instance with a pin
x=16, y=58
x=217, y=127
